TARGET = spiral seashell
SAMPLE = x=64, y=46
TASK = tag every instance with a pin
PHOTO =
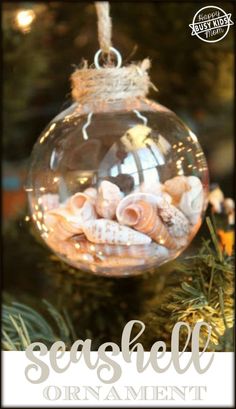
x=109, y=195
x=81, y=206
x=191, y=203
x=108, y=231
x=143, y=217
x=133, y=198
x=176, y=186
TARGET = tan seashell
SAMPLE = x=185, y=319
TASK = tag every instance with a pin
x=143, y=217
x=68, y=249
x=67, y=220
x=176, y=187
x=195, y=229
x=133, y=198
x=109, y=195
x=192, y=201
x=122, y=262
x=63, y=247
x=61, y=224
x=108, y=231
x=216, y=199
x=136, y=251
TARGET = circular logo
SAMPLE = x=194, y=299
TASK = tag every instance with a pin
x=211, y=24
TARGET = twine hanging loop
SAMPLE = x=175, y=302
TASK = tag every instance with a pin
x=104, y=26
x=109, y=82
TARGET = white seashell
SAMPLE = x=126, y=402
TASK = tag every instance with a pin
x=106, y=250
x=108, y=231
x=81, y=206
x=136, y=137
x=150, y=187
x=49, y=201
x=216, y=199
x=167, y=197
x=160, y=252
x=92, y=193
x=191, y=202
x=133, y=198
x=229, y=205
x=109, y=195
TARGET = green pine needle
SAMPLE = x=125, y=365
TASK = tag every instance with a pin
x=22, y=325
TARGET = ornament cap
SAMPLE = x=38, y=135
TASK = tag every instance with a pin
x=111, y=83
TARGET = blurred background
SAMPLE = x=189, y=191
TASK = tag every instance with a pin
x=42, y=44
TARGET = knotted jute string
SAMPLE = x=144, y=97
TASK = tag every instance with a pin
x=109, y=83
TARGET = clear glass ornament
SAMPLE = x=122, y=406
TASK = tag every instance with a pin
x=116, y=188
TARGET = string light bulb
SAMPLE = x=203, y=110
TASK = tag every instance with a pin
x=24, y=20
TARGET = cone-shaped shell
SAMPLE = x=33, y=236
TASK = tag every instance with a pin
x=101, y=250
x=133, y=198
x=175, y=221
x=108, y=231
x=143, y=217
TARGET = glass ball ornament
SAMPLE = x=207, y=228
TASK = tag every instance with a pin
x=116, y=188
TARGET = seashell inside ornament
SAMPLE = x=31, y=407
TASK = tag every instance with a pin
x=118, y=184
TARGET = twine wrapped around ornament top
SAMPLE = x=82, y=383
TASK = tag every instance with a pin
x=110, y=82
